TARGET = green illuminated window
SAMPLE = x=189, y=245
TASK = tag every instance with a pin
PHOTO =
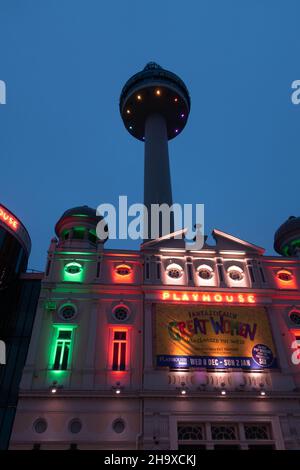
x=78, y=233
x=92, y=236
x=63, y=344
x=73, y=272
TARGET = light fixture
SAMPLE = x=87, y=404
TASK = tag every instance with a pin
x=118, y=389
x=175, y=99
x=182, y=115
x=130, y=127
x=54, y=387
x=73, y=268
x=158, y=92
x=128, y=111
x=139, y=97
x=182, y=390
x=176, y=131
x=123, y=270
x=223, y=392
x=262, y=393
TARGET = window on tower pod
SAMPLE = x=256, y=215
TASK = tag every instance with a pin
x=62, y=349
x=119, y=350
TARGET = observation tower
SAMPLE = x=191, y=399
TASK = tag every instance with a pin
x=155, y=105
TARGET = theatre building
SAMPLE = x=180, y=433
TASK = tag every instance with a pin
x=163, y=347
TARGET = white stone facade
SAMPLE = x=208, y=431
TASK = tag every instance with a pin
x=150, y=412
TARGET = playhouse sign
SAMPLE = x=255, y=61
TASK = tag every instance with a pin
x=8, y=219
x=208, y=297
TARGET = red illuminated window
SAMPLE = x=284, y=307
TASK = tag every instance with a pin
x=123, y=270
x=284, y=275
x=119, y=350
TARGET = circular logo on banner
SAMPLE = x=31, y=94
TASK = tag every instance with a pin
x=262, y=355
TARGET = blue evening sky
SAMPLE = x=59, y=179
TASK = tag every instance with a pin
x=62, y=142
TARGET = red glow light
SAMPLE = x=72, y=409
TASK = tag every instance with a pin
x=123, y=273
x=8, y=219
x=289, y=282
x=209, y=297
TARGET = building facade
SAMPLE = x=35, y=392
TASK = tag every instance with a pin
x=163, y=347
x=111, y=364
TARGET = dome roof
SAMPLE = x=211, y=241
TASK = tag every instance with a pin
x=80, y=211
x=152, y=65
x=288, y=232
x=78, y=216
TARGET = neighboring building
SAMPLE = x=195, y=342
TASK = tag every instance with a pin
x=19, y=293
x=162, y=348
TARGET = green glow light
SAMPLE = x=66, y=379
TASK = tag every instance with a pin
x=62, y=348
x=73, y=272
x=74, y=253
x=286, y=250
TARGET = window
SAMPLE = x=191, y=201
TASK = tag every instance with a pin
x=98, y=268
x=118, y=426
x=147, y=270
x=123, y=270
x=121, y=313
x=205, y=272
x=78, y=233
x=158, y=271
x=62, y=348
x=223, y=432
x=235, y=273
x=75, y=426
x=262, y=275
x=73, y=272
x=40, y=425
x=119, y=350
x=92, y=236
x=257, y=431
x=284, y=275
x=67, y=312
x=295, y=317
x=66, y=235
x=251, y=274
x=174, y=271
x=190, y=432
x=73, y=268
x=224, y=436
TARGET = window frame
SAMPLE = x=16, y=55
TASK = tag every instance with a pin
x=239, y=421
x=112, y=342
x=55, y=339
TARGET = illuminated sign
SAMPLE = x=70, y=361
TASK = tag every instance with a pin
x=8, y=219
x=213, y=337
x=209, y=297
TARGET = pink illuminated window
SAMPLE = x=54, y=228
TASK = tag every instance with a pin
x=119, y=350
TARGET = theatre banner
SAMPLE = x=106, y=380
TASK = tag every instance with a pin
x=213, y=337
